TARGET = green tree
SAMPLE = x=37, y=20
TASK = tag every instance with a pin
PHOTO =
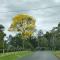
x=57, y=36
x=33, y=42
x=48, y=36
x=40, y=34
x=15, y=42
x=2, y=34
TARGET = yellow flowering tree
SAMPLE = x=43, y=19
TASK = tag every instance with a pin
x=24, y=24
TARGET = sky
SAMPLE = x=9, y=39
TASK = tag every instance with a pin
x=46, y=18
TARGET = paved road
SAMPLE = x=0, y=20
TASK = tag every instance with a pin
x=41, y=55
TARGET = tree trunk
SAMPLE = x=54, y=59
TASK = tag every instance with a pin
x=23, y=45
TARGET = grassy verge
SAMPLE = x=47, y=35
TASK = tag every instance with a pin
x=57, y=54
x=14, y=55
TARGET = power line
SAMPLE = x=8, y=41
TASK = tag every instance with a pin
x=57, y=6
x=52, y=15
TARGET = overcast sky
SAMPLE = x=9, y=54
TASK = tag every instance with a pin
x=45, y=18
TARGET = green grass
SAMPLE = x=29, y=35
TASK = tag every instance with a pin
x=14, y=55
x=57, y=54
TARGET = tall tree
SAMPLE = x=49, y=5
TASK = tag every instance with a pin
x=57, y=37
x=48, y=36
x=40, y=34
x=24, y=24
x=2, y=34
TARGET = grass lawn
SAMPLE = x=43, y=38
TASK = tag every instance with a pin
x=57, y=53
x=14, y=55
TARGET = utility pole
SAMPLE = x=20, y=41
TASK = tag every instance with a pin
x=3, y=46
x=54, y=38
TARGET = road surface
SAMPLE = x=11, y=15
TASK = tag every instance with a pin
x=41, y=55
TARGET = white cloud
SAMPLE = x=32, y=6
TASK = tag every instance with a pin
x=45, y=18
x=57, y=1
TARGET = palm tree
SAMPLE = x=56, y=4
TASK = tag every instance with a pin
x=1, y=27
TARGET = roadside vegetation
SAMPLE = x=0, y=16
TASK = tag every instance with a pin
x=14, y=55
x=57, y=54
x=48, y=41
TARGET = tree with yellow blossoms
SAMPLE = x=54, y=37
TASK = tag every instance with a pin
x=24, y=24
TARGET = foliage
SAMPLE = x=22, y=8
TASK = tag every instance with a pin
x=14, y=55
x=2, y=34
x=24, y=24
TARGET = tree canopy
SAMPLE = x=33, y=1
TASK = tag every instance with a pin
x=23, y=24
